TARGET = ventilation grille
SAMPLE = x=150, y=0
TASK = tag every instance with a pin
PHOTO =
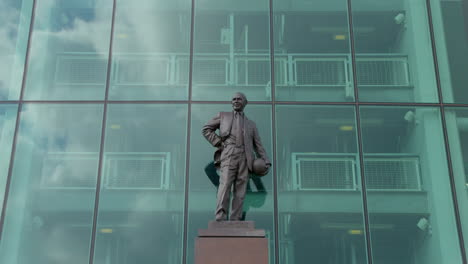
x=375, y=71
x=322, y=173
x=392, y=174
x=321, y=72
x=253, y=71
x=217, y=70
x=210, y=71
x=121, y=170
x=331, y=172
x=154, y=71
x=135, y=174
x=81, y=70
x=136, y=170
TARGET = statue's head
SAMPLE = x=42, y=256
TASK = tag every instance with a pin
x=239, y=101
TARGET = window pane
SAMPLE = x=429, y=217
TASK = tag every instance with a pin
x=457, y=129
x=408, y=191
x=319, y=188
x=69, y=50
x=394, y=60
x=151, y=50
x=258, y=204
x=15, y=19
x=141, y=203
x=451, y=37
x=7, y=129
x=49, y=212
x=312, y=54
x=232, y=49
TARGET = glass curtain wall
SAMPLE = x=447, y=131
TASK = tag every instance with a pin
x=319, y=189
x=8, y=115
x=15, y=20
x=51, y=197
x=394, y=60
x=353, y=122
x=231, y=50
x=312, y=51
x=408, y=190
x=69, y=50
x=457, y=133
x=140, y=218
x=151, y=49
x=450, y=20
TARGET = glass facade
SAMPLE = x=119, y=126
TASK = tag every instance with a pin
x=361, y=106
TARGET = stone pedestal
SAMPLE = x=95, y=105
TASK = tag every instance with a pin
x=231, y=242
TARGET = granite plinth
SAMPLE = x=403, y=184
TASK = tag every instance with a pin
x=231, y=229
x=231, y=224
x=231, y=242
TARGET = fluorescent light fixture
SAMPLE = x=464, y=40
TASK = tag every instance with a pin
x=106, y=230
x=346, y=128
x=339, y=37
x=355, y=232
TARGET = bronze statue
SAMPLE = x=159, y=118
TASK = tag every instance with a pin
x=238, y=144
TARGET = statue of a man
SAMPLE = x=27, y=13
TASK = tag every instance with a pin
x=238, y=145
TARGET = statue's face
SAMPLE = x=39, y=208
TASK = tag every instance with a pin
x=238, y=102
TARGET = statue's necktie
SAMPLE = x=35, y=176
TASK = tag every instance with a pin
x=240, y=130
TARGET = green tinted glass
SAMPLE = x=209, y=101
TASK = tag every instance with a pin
x=451, y=38
x=457, y=129
x=151, y=50
x=408, y=188
x=69, y=50
x=7, y=129
x=312, y=54
x=49, y=212
x=319, y=189
x=231, y=50
x=258, y=204
x=394, y=60
x=140, y=218
x=15, y=19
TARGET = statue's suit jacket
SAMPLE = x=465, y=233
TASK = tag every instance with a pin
x=223, y=122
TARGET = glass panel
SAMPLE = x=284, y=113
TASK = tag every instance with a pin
x=49, y=212
x=319, y=188
x=15, y=19
x=141, y=202
x=7, y=129
x=151, y=50
x=450, y=19
x=69, y=50
x=232, y=50
x=408, y=191
x=258, y=204
x=457, y=129
x=394, y=60
x=312, y=53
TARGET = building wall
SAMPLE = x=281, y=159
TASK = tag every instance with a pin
x=361, y=106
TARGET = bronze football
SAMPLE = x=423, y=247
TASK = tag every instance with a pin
x=259, y=167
